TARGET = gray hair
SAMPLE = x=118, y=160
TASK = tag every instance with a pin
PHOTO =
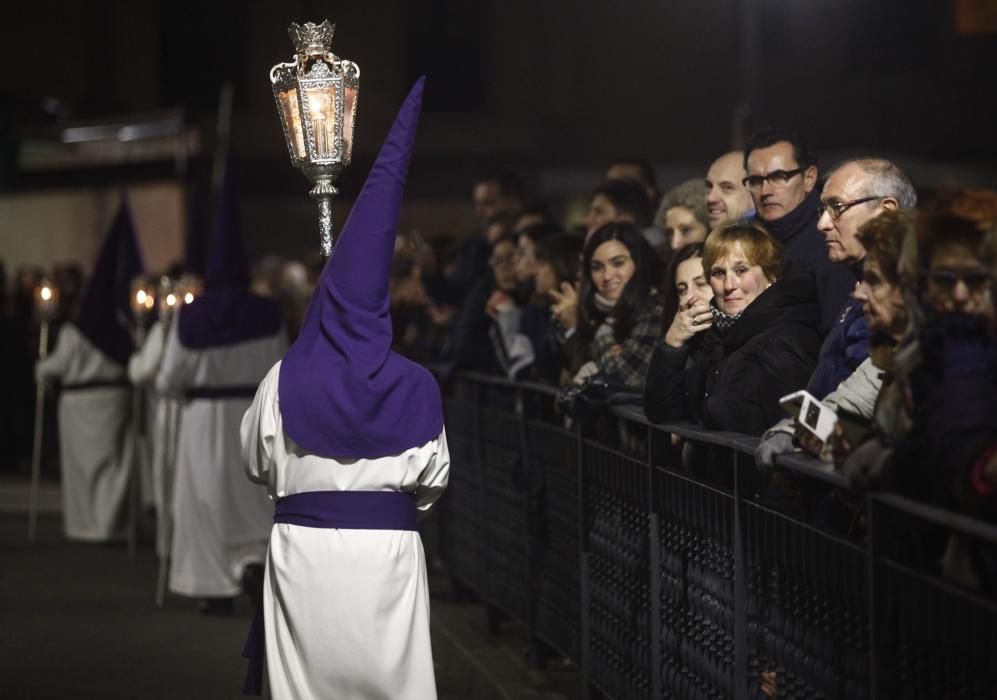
x=690, y=195
x=885, y=180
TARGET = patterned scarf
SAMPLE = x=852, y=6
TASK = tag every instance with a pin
x=721, y=321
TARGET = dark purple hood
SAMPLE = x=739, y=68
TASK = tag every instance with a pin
x=105, y=312
x=226, y=313
x=343, y=392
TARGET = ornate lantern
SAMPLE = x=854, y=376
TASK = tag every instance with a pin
x=316, y=98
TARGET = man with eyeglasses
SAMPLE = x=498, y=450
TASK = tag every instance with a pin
x=855, y=192
x=782, y=179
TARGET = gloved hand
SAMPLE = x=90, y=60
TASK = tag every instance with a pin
x=777, y=443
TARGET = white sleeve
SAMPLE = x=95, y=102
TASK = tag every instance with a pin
x=258, y=430
x=143, y=365
x=858, y=392
x=433, y=479
x=55, y=365
x=177, y=367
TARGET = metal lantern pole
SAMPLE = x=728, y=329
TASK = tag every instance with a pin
x=46, y=301
x=143, y=301
x=184, y=292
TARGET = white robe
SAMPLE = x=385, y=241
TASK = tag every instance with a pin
x=94, y=437
x=160, y=425
x=347, y=611
x=220, y=521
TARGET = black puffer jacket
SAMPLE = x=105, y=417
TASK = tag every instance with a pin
x=733, y=380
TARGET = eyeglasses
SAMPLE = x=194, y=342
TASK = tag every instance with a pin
x=835, y=208
x=776, y=178
x=974, y=279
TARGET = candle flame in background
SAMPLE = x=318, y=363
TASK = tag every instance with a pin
x=140, y=297
x=188, y=298
x=149, y=301
x=46, y=294
x=171, y=299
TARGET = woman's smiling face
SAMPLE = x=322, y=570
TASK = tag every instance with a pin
x=611, y=268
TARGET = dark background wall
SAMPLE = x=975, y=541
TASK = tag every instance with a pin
x=552, y=87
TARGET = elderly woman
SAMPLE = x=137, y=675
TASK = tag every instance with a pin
x=618, y=315
x=762, y=342
x=942, y=413
x=682, y=215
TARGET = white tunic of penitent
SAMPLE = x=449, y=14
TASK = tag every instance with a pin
x=94, y=440
x=161, y=420
x=220, y=521
x=347, y=611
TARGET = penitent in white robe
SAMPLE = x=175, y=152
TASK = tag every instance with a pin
x=220, y=521
x=94, y=437
x=347, y=611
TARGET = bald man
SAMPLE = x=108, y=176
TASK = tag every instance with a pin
x=727, y=199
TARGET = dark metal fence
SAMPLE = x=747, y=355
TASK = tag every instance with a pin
x=680, y=573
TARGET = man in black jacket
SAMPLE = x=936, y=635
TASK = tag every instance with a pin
x=782, y=179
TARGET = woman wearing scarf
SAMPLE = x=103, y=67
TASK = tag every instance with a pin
x=89, y=360
x=348, y=438
x=217, y=350
x=619, y=317
x=763, y=342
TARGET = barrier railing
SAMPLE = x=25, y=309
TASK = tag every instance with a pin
x=679, y=572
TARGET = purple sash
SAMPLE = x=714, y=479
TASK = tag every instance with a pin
x=343, y=510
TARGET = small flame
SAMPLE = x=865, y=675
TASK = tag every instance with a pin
x=188, y=298
x=46, y=294
x=149, y=301
x=140, y=297
x=171, y=299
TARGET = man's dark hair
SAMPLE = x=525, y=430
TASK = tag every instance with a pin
x=647, y=176
x=769, y=136
x=629, y=197
x=510, y=184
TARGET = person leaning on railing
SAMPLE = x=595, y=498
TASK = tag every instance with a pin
x=945, y=369
x=763, y=340
x=618, y=312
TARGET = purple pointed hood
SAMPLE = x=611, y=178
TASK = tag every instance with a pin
x=105, y=311
x=226, y=313
x=343, y=392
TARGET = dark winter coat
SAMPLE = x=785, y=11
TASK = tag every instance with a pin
x=733, y=380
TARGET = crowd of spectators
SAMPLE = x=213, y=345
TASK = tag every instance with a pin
x=708, y=304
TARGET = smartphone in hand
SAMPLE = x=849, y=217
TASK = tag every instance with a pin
x=816, y=417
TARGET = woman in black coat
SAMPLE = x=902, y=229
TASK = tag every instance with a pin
x=762, y=341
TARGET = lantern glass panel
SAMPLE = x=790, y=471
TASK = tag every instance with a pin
x=288, y=100
x=349, y=109
x=322, y=107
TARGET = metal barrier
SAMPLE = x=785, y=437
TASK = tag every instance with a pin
x=665, y=575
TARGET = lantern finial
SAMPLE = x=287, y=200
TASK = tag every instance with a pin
x=311, y=38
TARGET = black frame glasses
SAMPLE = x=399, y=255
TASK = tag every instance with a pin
x=776, y=178
x=836, y=209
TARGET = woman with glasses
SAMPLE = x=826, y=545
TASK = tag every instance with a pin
x=945, y=369
x=761, y=340
x=618, y=309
